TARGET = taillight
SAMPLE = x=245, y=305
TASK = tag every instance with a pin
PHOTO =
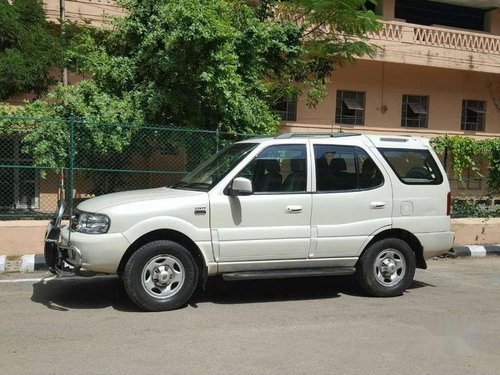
x=448, y=204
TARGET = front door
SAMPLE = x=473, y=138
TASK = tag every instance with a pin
x=273, y=222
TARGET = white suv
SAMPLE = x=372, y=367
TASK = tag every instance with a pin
x=288, y=206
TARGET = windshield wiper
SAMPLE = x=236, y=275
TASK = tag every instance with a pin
x=192, y=185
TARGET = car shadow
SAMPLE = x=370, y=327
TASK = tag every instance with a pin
x=64, y=294
x=220, y=291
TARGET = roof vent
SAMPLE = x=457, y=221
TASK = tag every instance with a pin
x=387, y=139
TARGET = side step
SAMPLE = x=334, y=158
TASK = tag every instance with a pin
x=286, y=273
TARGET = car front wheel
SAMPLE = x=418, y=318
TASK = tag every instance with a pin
x=161, y=275
x=386, y=268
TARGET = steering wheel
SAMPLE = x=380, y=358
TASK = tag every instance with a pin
x=419, y=172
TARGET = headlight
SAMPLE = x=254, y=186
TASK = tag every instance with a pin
x=85, y=222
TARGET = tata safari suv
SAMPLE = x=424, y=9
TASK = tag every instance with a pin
x=289, y=206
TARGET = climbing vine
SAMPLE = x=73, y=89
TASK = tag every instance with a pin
x=464, y=153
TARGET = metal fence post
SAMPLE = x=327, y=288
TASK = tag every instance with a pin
x=71, y=159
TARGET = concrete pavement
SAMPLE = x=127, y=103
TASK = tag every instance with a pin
x=448, y=322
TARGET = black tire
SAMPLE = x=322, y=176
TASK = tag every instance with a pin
x=368, y=270
x=140, y=285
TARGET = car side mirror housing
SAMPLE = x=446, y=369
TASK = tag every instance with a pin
x=240, y=186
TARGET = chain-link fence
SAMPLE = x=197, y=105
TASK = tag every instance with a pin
x=471, y=193
x=42, y=160
x=97, y=158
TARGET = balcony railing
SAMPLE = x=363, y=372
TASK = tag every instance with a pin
x=437, y=37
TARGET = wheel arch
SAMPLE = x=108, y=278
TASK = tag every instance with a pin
x=172, y=235
x=406, y=236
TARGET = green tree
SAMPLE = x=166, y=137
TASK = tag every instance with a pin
x=223, y=63
x=28, y=48
x=211, y=64
x=193, y=63
x=333, y=34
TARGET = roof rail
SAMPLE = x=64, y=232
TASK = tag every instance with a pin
x=316, y=134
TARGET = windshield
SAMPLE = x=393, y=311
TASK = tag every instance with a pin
x=209, y=173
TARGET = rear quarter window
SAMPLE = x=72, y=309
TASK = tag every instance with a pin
x=413, y=167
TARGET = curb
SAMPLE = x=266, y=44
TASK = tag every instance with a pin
x=33, y=262
x=25, y=263
x=474, y=250
x=36, y=262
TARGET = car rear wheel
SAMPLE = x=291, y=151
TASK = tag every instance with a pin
x=386, y=268
x=161, y=275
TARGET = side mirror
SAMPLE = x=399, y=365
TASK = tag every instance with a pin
x=240, y=186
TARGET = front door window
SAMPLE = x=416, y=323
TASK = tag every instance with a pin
x=280, y=168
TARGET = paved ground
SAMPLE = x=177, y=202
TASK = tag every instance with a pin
x=447, y=323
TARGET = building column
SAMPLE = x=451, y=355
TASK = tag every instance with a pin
x=492, y=21
x=386, y=9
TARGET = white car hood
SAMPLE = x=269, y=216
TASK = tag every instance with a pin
x=105, y=201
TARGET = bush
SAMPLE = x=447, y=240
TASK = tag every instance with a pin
x=469, y=208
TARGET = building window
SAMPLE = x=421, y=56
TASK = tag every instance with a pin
x=415, y=111
x=18, y=186
x=459, y=15
x=287, y=110
x=350, y=107
x=473, y=115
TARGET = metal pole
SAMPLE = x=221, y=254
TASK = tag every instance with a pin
x=71, y=159
x=217, y=138
x=62, y=16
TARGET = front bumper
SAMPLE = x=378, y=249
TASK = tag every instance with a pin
x=86, y=253
x=59, y=256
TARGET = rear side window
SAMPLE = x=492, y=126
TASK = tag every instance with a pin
x=413, y=167
x=344, y=168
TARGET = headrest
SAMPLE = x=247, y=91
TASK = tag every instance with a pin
x=322, y=162
x=298, y=165
x=272, y=165
x=338, y=165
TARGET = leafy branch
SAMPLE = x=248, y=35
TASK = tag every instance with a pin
x=465, y=153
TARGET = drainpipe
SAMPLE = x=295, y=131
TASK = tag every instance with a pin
x=62, y=17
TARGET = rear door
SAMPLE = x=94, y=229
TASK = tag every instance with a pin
x=352, y=198
x=420, y=190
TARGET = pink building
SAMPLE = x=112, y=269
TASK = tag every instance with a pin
x=96, y=12
x=436, y=70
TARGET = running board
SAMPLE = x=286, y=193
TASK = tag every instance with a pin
x=286, y=273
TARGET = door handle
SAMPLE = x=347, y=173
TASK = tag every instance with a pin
x=377, y=205
x=294, y=209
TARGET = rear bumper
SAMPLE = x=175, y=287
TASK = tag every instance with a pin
x=437, y=243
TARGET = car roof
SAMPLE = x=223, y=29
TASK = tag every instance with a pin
x=379, y=141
